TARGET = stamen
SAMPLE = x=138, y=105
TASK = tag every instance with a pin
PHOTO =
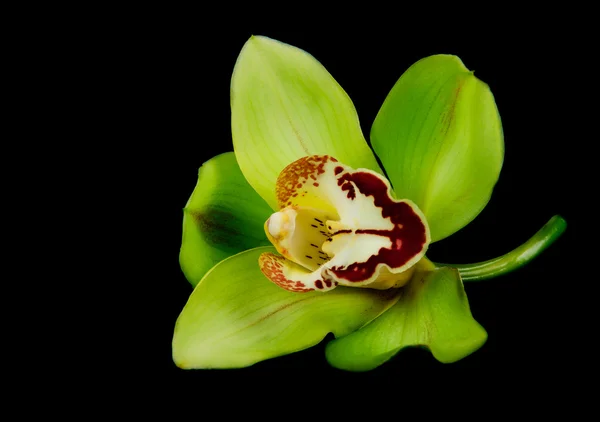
x=296, y=232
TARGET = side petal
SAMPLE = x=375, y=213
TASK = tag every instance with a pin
x=439, y=136
x=223, y=216
x=285, y=105
x=236, y=317
x=433, y=311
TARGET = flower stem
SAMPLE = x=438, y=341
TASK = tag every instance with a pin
x=515, y=258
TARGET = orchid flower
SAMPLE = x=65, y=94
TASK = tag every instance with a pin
x=299, y=233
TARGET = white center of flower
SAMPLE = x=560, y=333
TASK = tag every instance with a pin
x=342, y=226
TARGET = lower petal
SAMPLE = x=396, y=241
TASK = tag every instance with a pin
x=235, y=317
x=433, y=311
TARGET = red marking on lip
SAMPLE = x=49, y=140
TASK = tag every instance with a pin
x=271, y=266
x=347, y=186
x=408, y=236
x=341, y=232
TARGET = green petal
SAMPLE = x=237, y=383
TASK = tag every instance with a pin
x=433, y=312
x=223, y=216
x=236, y=317
x=439, y=136
x=284, y=106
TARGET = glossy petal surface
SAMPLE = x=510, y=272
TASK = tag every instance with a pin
x=285, y=105
x=236, y=317
x=439, y=136
x=433, y=311
x=222, y=217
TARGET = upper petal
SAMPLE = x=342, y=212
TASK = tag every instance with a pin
x=285, y=105
x=439, y=136
x=222, y=217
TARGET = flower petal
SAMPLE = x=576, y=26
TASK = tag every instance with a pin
x=439, y=136
x=223, y=216
x=433, y=311
x=236, y=317
x=371, y=231
x=285, y=105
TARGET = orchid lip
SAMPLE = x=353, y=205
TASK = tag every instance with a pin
x=341, y=226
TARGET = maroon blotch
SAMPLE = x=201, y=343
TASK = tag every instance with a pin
x=408, y=237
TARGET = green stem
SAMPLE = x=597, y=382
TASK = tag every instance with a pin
x=515, y=258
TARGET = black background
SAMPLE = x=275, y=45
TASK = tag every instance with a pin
x=174, y=77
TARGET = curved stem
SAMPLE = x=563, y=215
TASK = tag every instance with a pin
x=515, y=258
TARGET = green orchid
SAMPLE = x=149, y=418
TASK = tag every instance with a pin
x=298, y=233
